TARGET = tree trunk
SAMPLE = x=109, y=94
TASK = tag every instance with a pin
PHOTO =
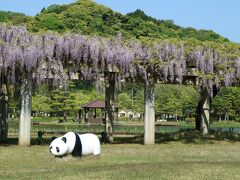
x=203, y=113
x=25, y=113
x=86, y=116
x=109, y=99
x=80, y=115
x=65, y=116
x=3, y=113
x=149, y=113
x=226, y=116
x=77, y=117
x=198, y=116
x=220, y=117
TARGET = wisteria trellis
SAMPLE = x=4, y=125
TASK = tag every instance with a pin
x=49, y=55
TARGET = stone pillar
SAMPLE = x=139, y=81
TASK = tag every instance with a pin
x=25, y=113
x=149, y=113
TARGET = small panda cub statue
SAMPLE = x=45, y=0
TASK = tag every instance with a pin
x=75, y=144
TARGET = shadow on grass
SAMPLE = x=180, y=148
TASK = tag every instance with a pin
x=186, y=136
x=34, y=141
x=194, y=136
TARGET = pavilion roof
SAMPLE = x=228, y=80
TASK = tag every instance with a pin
x=94, y=104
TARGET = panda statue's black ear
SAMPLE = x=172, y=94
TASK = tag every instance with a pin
x=64, y=139
x=53, y=138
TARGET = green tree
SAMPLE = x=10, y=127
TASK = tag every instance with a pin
x=67, y=102
x=176, y=100
x=14, y=18
x=124, y=101
x=227, y=103
x=41, y=104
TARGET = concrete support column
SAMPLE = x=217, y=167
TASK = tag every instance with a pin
x=25, y=113
x=149, y=113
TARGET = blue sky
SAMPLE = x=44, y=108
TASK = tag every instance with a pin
x=222, y=16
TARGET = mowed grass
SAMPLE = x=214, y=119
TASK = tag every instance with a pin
x=174, y=160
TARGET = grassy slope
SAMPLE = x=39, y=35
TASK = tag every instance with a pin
x=161, y=161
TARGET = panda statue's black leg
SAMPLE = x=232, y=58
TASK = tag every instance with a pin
x=77, y=151
x=58, y=156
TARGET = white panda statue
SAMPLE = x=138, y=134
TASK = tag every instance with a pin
x=75, y=144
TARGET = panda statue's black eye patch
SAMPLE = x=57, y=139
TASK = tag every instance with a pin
x=57, y=149
x=64, y=139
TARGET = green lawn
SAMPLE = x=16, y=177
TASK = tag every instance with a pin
x=173, y=160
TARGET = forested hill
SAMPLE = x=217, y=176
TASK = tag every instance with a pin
x=88, y=17
x=167, y=28
x=14, y=18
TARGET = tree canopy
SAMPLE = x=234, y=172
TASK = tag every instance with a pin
x=14, y=18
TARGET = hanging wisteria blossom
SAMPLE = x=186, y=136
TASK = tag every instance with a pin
x=54, y=56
